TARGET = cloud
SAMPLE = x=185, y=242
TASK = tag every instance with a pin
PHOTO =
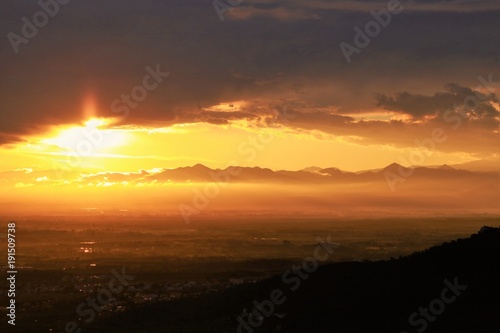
x=114, y=177
x=315, y=9
x=102, y=49
x=419, y=106
x=272, y=12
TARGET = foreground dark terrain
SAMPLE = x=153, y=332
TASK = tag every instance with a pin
x=351, y=297
x=322, y=274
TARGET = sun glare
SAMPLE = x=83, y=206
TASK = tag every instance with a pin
x=94, y=135
x=96, y=122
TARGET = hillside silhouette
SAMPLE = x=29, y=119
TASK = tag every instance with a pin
x=377, y=296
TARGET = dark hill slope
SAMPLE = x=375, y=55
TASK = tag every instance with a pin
x=350, y=297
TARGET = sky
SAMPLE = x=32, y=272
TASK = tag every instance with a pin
x=128, y=85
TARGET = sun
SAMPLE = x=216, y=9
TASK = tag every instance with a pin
x=96, y=136
x=96, y=122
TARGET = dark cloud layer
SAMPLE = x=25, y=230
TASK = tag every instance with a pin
x=419, y=106
x=263, y=52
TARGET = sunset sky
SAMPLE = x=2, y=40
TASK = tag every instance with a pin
x=268, y=86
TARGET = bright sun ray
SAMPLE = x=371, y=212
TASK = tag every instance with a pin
x=89, y=106
x=91, y=139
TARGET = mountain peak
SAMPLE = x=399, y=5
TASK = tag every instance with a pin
x=446, y=167
x=199, y=166
x=394, y=167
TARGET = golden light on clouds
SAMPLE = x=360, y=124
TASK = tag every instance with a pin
x=228, y=106
x=99, y=144
x=100, y=159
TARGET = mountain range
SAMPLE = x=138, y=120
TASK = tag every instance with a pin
x=201, y=173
